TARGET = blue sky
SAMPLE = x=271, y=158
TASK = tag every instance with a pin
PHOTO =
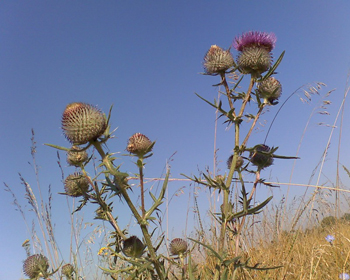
x=144, y=57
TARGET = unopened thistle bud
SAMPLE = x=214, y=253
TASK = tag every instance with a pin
x=178, y=246
x=139, y=144
x=133, y=247
x=270, y=89
x=239, y=162
x=76, y=158
x=217, y=60
x=82, y=123
x=36, y=266
x=76, y=185
x=259, y=159
x=67, y=270
x=255, y=47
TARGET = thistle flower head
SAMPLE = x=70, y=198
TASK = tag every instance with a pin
x=139, y=144
x=255, y=38
x=178, y=246
x=260, y=159
x=76, y=185
x=76, y=157
x=239, y=162
x=217, y=60
x=270, y=89
x=67, y=270
x=82, y=123
x=133, y=247
x=35, y=266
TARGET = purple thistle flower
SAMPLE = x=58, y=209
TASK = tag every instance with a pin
x=344, y=276
x=330, y=238
x=255, y=38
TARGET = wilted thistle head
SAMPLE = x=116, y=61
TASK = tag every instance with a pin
x=133, y=247
x=178, y=246
x=239, y=162
x=139, y=144
x=270, y=89
x=259, y=159
x=76, y=158
x=82, y=123
x=35, y=266
x=217, y=60
x=255, y=47
x=67, y=270
x=76, y=185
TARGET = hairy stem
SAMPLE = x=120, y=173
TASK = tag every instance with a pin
x=228, y=92
x=142, y=188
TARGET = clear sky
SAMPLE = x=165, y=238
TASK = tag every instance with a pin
x=144, y=57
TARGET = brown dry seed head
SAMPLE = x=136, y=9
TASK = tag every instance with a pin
x=239, y=162
x=67, y=270
x=139, y=144
x=254, y=60
x=76, y=158
x=35, y=266
x=76, y=185
x=82, y=123
x=217, y=60
x=133, y=247
x=178, y=246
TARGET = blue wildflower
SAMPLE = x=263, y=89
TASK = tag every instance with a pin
x=330, y=238
x=344, y=276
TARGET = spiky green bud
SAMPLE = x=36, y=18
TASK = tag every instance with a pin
x=178, y=246
x=139, y=144
x=260, y=159
x=82, y=123
x=254, y=60
x=217, y=60
x=67, y=270
x=133, y=247
x=76, y=185
x=76, y=158
x=35, y=266
x=270, y=89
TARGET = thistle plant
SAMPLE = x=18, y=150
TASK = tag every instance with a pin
x=254, y=61
x=87, y=128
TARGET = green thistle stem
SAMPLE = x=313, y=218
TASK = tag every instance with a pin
x=247, y=97
x=228, y=92
x=142, y=222
x=240, y=226
x=253, y=125
x=142, y=188
x=104, y=206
